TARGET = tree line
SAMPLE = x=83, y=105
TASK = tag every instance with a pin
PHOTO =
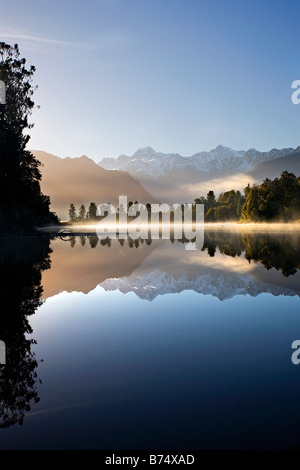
x=275, y=200
x=83, y=214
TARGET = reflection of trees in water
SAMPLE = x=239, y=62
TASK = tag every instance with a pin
x=273, y=250
x=281, y=252
x=230, y=244
x=94, y=240
x=21, y=262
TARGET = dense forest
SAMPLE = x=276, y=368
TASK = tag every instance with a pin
x=275, y=200
x=22, y=204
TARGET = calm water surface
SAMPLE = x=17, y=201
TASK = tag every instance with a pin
x=148, y=345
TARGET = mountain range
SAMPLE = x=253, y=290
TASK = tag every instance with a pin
x=150, y=176
x=148, y=162
x=273, y=168
x=174, y=178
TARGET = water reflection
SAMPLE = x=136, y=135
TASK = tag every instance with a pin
x=279, y=251
x=93, y=241
x=80, y=263
x=21, y=262
x=229, y=264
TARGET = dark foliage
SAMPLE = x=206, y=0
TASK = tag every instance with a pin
x=22, y=205
x=271, y=201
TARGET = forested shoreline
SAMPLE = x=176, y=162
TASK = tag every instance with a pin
x=275, y=200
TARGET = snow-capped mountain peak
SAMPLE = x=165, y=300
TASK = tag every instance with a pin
x=147, y=162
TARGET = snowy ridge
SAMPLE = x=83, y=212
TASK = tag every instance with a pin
x=150, y=163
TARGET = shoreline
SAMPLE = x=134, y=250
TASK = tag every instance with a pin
x=90, y=229
x=78, y=229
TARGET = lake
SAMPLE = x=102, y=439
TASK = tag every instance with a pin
x=150, y=344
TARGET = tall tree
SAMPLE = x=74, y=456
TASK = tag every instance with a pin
x=82, y=212
x=22, y=205
x=72, y=212
x=210, y=199
x=92, y=212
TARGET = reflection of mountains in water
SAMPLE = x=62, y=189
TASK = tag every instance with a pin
x=149, y=285
x=229, y=264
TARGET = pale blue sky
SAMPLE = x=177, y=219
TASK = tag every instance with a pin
x=179, y=75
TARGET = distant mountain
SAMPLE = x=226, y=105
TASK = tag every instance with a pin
x=150, y=176
x=82, y=181
x=274, y=168
x=174, y=178
x=148, y=162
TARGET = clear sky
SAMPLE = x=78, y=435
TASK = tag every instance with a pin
x=178, y=75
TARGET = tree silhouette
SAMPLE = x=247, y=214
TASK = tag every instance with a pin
x=72, y=213
x=23, y=206
x=92, y=212
x=82, y=212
